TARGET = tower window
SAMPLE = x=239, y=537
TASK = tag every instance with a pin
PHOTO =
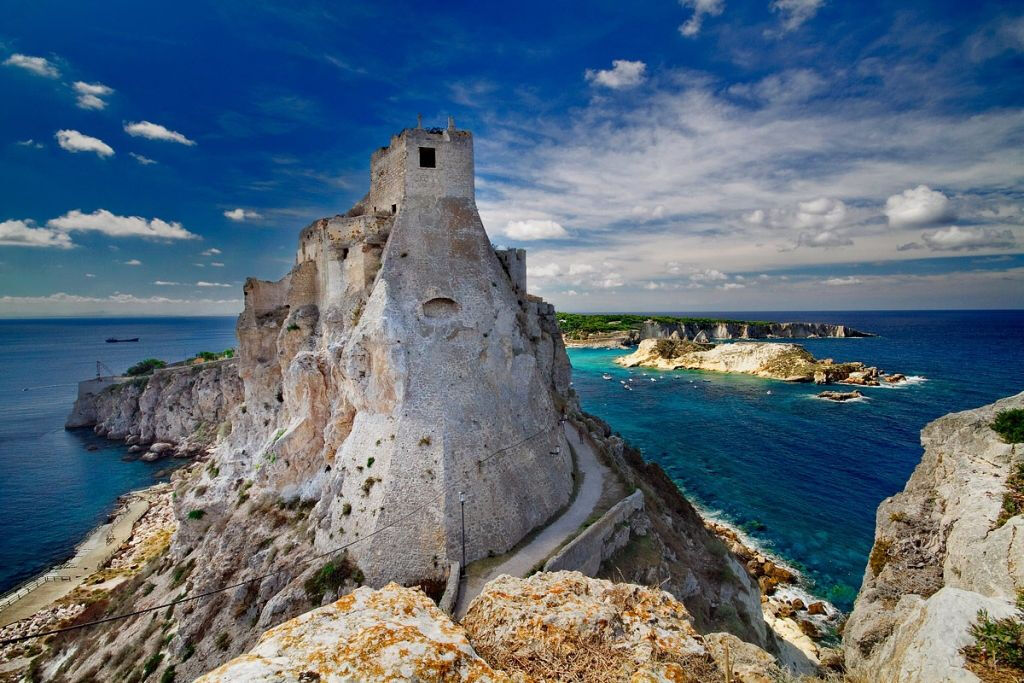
x=394, y=209
x=428, y=158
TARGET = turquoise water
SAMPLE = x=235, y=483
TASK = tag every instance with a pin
x=52, y=489
x=801, y=475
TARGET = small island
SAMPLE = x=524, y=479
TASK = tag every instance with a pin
x=786, y=362
x=629, y=329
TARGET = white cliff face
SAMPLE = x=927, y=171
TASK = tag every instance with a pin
x=939, y=556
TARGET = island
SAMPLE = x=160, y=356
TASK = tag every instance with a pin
x=786, y=362
x=618, y=330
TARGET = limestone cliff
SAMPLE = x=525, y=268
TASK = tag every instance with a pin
x=552, y=626
x=652, y=329
x=941, y=553
x=184, y=405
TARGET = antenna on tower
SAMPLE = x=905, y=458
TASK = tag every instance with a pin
x=419, y=121
x=451, y=123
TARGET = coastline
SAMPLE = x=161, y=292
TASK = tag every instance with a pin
x=139, y=528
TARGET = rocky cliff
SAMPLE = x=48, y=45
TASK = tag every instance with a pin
x=184, y=405
x=652, y=329
x=552, y=626
x=945, y=547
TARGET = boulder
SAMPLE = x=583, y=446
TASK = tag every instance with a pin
x=840, y=396
x=817, y=608
x=161, y=447
x=390, y=634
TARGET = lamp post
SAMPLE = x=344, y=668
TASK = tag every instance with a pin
x=462, y=512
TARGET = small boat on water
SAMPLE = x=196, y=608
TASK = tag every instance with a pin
x=606, y=376
x=626, y=386
x=114, y=340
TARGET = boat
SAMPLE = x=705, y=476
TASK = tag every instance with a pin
x=114, y=340
x=606, y=376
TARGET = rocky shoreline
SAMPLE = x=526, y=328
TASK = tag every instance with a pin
x=786, y=362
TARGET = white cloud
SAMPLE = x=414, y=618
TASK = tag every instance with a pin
x=623, y=74
x=145, y=161
x=700, y=8
x=165, y=283
x=212, y=251
x=534, y=229
x=29, y=143
x=581, y=269
x=242, y=215
x=787, y=87
x=920, y=206
x=90, y=95
x=40, y=66
x=825, y=238
x=154, y=131
x=544, y=271
x=216, y=264
x=73, y=141
x=105, y=222
x=796, y=12
x=708, y=275
x=90, y=275
x=133, y=262
x=62, y=303
x=842, y=281
x=203, y=283
x=25, y=234
x=731, y=285
x=955, y=238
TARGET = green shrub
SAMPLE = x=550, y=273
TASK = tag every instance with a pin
x=151, y=664
x=145, y=367
x=330, y=577
x=346, y=509
x=208, y=355
x=425, y=441
x=196, y=514
x=188, y=651
x=223, y=642
x=168, y=675
x=999, y=643
x=1013, y=499
x=1009, y=424
x=369, y=462
x=293, y=328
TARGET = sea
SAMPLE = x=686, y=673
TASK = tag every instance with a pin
x=801, y=476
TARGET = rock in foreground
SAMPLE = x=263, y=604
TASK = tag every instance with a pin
x=552, y=626
x=390, y=634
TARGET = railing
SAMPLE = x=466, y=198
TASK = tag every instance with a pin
x=12, y=596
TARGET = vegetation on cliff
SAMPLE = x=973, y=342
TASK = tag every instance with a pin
x=1009, y=424
x=998, y=650
x=145, y=367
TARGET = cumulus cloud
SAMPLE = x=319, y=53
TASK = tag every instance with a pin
x=623, y=74
x=842, y=281
x=242, y=215
x=955, y=238
x=154, y=131
x=212, y=251
x=731, y=285
x=145, y=161
x=203, y=283
x=29, y=143
x=25, y=234
x=580, y=269
x=544, y=271
x=165, y=283
x=708, y=275
x=40, y=66
x=701, y=8
x=534, y=229
x=90, y=95
x=73, y=141
x=133, y=262
x=110, y=224
x=918, y=207
x=216, y=264
x=795, y=12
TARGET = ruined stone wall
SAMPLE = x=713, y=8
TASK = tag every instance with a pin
x=514, y=261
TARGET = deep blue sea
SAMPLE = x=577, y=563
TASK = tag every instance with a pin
x=52, y=489
x=801, y=475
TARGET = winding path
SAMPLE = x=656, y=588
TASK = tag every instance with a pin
x=556, y=533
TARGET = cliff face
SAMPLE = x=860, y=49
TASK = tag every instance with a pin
x=940, y=555
x=184, y=405
x=552, y=626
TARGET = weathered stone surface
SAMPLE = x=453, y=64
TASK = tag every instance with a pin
x=391, y=634
x=603, y=538
x=564, y=625
x=938, y=557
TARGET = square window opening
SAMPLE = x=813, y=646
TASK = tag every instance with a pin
x=394, y=209
x=428, y=157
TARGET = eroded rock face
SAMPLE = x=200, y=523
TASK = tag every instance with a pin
x=939, y=556
x=391, y=634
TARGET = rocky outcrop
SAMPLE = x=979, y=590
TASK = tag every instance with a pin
x=787, y=362
x=941, y=553
x=184, y=405
x=840, y=396
x=552, y=626
x=384, y=635
x=727, y=329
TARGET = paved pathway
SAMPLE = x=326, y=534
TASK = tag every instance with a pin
x=92, y=552
x=545, y=543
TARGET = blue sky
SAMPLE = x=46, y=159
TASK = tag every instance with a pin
x=662, y=156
